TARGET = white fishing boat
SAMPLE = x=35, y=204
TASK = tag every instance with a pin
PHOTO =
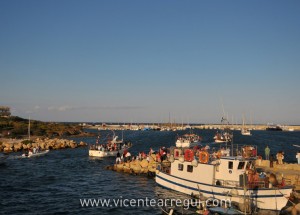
x=106, y=153
x=35, y=154
x=110, y=149
x=231, y=178
x=188, y=140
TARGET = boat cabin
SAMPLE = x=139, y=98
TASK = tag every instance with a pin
x=229, y=170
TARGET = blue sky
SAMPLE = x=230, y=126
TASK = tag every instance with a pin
x=138, y=61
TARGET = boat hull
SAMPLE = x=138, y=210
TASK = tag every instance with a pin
x=101, y=154
x=220, y=141
x=36, y=154
x=269, y=199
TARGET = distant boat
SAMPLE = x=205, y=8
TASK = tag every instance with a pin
x=223, y=136
x=188, y=140
x=287, y=128
x=36, y=154
x=272, y=127
x=226, y=135
x=245, y=131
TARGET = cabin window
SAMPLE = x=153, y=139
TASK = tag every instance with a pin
x=230, y=165
x=189, y=168
x=241, y=165
x=180, y=167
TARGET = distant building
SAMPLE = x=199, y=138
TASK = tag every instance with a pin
x=4, y=111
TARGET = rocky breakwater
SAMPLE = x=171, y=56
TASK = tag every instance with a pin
x=289, y=172
x=139, y=167
x=9, y=145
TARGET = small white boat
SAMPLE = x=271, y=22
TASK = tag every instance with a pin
x=97, y=153
x=115, y=144
x=246, y=132
x=36, y=154
x=188, y=140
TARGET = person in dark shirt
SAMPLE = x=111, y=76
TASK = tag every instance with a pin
x=271, y=161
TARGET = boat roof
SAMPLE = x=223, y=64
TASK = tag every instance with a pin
x=239, y=158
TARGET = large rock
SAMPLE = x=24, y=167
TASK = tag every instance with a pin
x=18, y=146
x=73, y=145
x=82, y=143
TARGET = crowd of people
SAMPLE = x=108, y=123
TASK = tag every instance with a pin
x=164, y=154
x=159, y=156
x=33, y=150
x=279, y=157
x=111, y=146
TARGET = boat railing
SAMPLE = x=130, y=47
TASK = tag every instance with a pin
x=257, y=184
x=287, y=182
x=226, y=183
x=164, y=167
x=247, y=151
x=229, y=183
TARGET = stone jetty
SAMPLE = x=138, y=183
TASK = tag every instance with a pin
x=140, y=167
x=11, y=145
x=289, y=172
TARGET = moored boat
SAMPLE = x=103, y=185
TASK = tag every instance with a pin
x=272, y=127
x=246, y=132
x=231, y=178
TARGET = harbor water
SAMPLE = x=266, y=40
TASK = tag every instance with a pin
x=56, y=182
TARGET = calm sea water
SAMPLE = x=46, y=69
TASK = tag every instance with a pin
x=55, y=183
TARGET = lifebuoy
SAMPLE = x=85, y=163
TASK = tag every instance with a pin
x=189, y=155
x=203, y=157
x=177, y=153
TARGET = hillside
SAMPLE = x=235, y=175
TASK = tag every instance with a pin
x=17, y=127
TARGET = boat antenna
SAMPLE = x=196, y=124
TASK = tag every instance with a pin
x=29, y=128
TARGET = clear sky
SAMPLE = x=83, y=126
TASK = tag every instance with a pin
x=138, y=61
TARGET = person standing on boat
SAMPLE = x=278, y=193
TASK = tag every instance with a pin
x=267, y=153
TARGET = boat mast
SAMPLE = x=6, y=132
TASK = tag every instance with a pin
x=29, y=129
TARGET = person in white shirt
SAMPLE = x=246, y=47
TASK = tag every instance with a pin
x=298, y=157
